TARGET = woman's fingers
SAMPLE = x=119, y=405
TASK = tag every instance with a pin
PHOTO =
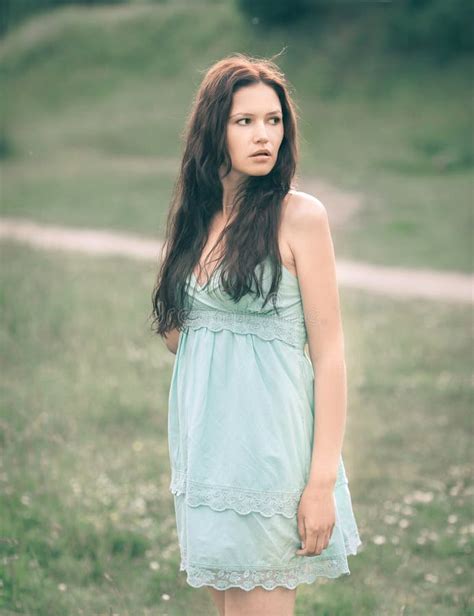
x=302, y=531
x=311, y=540
x=322, y=542
x=315, y=541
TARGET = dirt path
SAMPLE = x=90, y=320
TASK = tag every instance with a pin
x=390, y=281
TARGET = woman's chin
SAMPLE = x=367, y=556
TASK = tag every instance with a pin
x=257, y=172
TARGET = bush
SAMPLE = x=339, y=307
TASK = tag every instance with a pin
x=444, y=27
x=438, y=25
x=16, y=11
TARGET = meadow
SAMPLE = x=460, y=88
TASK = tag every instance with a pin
x=88, y=522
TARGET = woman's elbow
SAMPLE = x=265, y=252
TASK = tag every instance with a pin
x=171, y=340
x=173, y=349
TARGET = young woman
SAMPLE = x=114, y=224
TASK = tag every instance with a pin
x=247, y=280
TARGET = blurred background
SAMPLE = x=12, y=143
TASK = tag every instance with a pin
x=94, y=100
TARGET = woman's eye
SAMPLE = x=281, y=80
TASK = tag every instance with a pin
x=243, y=119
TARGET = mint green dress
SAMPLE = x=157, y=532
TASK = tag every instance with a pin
x=240, y=436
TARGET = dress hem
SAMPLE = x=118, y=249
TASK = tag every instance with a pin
x=247, y=579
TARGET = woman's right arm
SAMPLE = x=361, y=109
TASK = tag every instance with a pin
x=171, y=339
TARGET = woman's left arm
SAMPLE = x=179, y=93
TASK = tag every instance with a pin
x=313, y=250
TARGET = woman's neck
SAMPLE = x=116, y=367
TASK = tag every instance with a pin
x=229, y=187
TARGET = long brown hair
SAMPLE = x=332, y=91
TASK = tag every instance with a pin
x=252, y=234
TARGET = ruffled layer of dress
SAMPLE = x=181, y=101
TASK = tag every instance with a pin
x=253, y=539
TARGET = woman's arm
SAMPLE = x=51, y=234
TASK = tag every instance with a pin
x=313, y=251
x=171, y=339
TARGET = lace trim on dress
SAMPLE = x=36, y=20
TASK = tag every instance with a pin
x=268, y=327
x=247, y=578
x=242, y=500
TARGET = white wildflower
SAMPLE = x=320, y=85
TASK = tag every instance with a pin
x=430, y=577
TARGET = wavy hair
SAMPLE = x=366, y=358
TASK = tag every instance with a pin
x=252, y=233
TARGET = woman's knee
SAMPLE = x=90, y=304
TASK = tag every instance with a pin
x=218, y=597
x=260, y=602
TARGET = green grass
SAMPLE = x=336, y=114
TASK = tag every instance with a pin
x=85, y=468
x=97, y=101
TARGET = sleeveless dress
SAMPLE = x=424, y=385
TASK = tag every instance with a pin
x=240, y=436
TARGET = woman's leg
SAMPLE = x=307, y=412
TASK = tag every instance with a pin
x=219, y=598
x=260, y=602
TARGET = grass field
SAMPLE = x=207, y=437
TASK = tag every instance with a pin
x=97, y=100
x=87, y=517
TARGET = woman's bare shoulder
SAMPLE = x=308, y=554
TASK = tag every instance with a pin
x=299, y=204
x=300, y=208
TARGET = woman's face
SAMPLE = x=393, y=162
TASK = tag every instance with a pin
x=255, y=123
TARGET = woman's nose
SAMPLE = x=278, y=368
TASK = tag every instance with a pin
x=260, y=132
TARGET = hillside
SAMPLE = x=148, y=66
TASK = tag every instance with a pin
x=97, y=100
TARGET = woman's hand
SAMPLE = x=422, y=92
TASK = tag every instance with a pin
x=316, y=519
